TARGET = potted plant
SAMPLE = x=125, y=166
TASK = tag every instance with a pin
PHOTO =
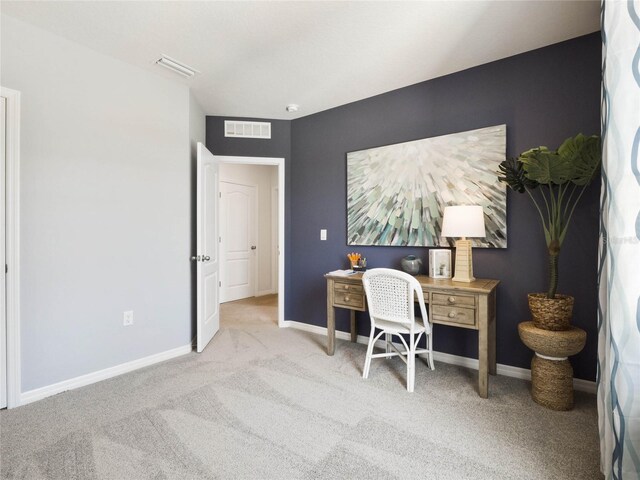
x=555, y=182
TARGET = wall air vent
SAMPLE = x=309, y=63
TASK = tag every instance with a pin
x=237, y=129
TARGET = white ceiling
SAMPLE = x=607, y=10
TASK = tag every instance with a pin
x=257, y=57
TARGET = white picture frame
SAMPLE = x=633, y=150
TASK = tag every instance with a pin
x=440, y=263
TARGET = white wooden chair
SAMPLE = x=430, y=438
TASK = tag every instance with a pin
x=390, y=296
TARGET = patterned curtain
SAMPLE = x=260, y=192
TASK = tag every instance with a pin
x=619, y=251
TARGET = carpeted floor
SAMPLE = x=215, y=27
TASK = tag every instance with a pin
x=262, y=403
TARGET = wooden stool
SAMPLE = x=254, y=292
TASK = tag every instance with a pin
x=551, y=372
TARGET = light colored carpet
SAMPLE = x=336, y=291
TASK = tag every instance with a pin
x=261, y=402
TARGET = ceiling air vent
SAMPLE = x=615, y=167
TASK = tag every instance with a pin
x=236, y=129
x=176, y=66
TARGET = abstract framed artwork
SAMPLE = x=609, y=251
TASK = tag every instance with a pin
x=396, y=194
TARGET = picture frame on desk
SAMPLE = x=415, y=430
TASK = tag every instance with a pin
x=440, y=263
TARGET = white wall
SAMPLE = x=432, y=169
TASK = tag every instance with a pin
x=263, y=177
x=197, y=127
x=105, y=207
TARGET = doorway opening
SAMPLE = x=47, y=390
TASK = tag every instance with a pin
x=207, y=255
x=248, y=218
x=252, y=236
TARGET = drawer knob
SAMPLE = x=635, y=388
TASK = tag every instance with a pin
x=346, y=287
x=452, y=299
x=452, y=314
x=346, y=299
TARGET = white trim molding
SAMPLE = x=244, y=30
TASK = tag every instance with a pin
x=274, y=239
x=12, y=246
x=93, y=377
x=472, y=363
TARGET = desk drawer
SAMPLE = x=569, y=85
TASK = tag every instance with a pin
x=454, y=314
x=348, y=299
x=454, y=299
x=342, y=287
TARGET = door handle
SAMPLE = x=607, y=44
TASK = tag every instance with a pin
x=253, y=247
x=195, y=258
x=206, y=259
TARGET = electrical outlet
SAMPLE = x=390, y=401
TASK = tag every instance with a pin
x=323, y=234
x=127, y=318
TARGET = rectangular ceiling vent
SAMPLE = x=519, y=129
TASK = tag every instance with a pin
x=176, y=66
x=237, y=129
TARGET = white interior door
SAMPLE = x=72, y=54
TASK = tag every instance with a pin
x=207, y=257
x=3, y=303
x=238, y=245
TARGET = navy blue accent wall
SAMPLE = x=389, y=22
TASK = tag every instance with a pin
x=543, y=97
x=279, y=146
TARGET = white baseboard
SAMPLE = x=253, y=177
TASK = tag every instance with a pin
x=506, y=370
x=581, y=385
x=89, y=378
x=262, y=293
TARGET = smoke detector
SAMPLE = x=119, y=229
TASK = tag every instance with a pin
x=292, y=107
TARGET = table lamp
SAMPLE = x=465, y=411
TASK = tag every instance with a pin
x=463, y=221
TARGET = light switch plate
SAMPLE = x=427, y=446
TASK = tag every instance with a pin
x=323, y=234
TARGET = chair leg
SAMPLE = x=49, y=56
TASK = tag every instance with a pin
x=411, y=364
x=367, y=361
x=430, y=347
x=387, y=339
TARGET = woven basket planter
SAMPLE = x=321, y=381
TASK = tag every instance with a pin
x=552, y=383
x=551, y=313
x=551, y=372
x=563, y=343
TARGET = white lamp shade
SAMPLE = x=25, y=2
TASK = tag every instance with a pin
x=463, y=221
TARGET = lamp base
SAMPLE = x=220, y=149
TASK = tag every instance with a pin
x=464, y=262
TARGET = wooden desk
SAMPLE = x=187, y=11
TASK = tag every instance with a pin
x=463, y=305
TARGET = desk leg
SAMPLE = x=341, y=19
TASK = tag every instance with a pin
x=354, y=329
x=331, y=320
x=492, y=334
x=483, y=347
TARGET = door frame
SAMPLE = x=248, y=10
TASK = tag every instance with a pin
x=256, y=239
x=279, y=162
x=12, y=244
x=274, y=240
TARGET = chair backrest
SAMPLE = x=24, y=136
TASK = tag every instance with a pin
x=390, y=295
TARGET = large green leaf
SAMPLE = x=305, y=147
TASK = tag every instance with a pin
x=585, y=155
x=513, y=175
x=577, y=160
x=546, y=167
